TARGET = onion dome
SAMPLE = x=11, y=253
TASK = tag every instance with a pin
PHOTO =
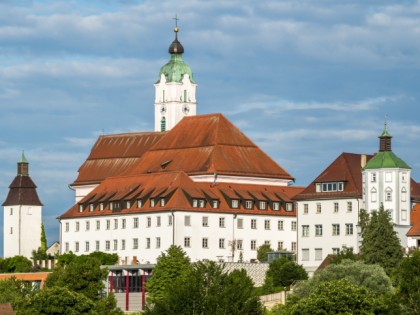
x=176, y=68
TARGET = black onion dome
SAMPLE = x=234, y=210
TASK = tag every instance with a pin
x=176, y=47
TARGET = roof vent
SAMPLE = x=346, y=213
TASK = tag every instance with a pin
x=165, y=164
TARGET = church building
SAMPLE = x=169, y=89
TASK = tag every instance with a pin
x=196, y=181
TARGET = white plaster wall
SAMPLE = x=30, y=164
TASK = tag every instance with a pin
x=82, y=191
x=241, y=180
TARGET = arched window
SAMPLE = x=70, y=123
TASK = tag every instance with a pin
x=388, y=194
x=163, y=124
x=403, y=194
x=373, y=195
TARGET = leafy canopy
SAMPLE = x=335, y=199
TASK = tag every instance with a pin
x=262, y=252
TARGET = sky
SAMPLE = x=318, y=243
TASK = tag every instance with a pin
x=305, y=80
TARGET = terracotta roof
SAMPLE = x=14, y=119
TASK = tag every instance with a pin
x=208, y=144
x=114, y=154
x=346, y=168
x=22, y=192
x=182, y=190
x=415, y=190
x=415, y=221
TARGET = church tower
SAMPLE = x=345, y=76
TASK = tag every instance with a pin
x=386, y=180
x=175, y=89
x=22, y=214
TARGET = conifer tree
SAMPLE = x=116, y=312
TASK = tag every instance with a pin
x=43, y=239
x=380, y=244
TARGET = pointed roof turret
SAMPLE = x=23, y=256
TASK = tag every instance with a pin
x=23, y=166
x=385, y=139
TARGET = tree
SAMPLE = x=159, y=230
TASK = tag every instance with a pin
x=283, y=272
x=15, y=292
x=208, y=290
x=344, y=254
x=15, y=264
x=380, y=244
x=408, y=283
x=43, y=239
x=170, y=266
x=262, y=252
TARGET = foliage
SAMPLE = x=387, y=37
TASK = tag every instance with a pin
x=380, y=244
x=372, y=277
x=407, y=279
x=43, y=239
x=207, y=289
x=282, y=273
x=262, y=252
x=15, y=292
x=15, y=264
x=344, y=254
x=337, y=297
x=170, y=266
x=104, y=258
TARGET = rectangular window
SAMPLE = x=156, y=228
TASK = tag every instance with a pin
x=248, y=204
x=158, y=221
x=279, y=245
x=128, y=204
x=267, y=224
x=123, y=223
x=91, y=207
x=318, y=253
x=276, y=206
x=67, y=247
x=108, y=224
x=239, y=244
x=336, y=229
x=139, y=203
x=222, y=222
x=205, y=221
x=97, y=246
x=294, y=225
x=187, y=242
x=147, y=242
x=294, y=246
x=11, y=230
x=318, y=230
x=195, y=203
x=67, y=226
x=122, y=244
x=215, y=204
x=404, y=215
x=221, y=243
x=289, y=206
x=280, y=225
x=267, y=243
x=373, y=177
x=101, y=206
x=187, y=220
x=162, y=202
x=107, y=245
x=305, y=254
x=80, y=208
x=77, y=226
x=115, y=224
x=253, y=224
x=235, y=203
x=305, y=208
x=340, y=186
x=318, y=208
x=335, y=207
x=336, y=251
x=87, y=225
x=318, y=187
x=86, y=246
x=205, y=242
x=98, y=225
x=240, y=223
x=349, y=206
x=152, y=202
x=149, y=222
x=135, y=243
x=170, y=220
x=253, y=245
x=135, y=223
x=11, y=211
x=263, y=205
x=157, y=242
x=388, y=196
x=201, y=203
x=115, y=244
x=349, y=229
x=76, y=247
x=305, y=230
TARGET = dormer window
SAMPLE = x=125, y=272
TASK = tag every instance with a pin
x=276, y=206
x=111, y=206
x=215, y=204
x=162, y=202
x=248, y=204
x=329, y=187
x=152, y=202
x=235, y=203
x=101, y=206
x=80, y=208
x=91, y=207
x=139, y=203
x=289, y=206
x=195, y=203
x=128, y=204
x=263, y=205
x=201, y=203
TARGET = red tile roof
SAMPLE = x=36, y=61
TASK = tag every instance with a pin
x=415, y=190
x=114, y=154
x=22, y=192
x=179, y=190
x=346, y=168
x=415, y=221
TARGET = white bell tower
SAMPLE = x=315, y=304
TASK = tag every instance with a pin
x=175, y=89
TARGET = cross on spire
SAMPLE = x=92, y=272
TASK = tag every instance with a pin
x=176, y=20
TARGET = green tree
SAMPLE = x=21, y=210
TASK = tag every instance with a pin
x=408, y=283
x=208, y=290
x=380, y=244
x=282, y=273
x=43, y=239
x=172, y=265
x=262, y=252
x=15, y=292
x=344, y=254
x=15, y=264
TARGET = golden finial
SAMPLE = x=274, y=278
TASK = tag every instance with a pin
x=176, y=29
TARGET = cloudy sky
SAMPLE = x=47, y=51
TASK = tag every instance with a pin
x=306, y=80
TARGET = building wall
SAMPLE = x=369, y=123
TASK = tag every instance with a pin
x=312, y=248
x=153, y=238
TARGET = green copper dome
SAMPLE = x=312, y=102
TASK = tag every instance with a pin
x=176, y=68
x=386, y=159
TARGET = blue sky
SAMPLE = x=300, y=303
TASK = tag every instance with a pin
x=305, y=80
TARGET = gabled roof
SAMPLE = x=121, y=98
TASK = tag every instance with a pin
x=178, y=189
x=346, y=168
x=415, y=221
x=208, y=144
x=415, y=190
x=22, y=192
x=114, y=154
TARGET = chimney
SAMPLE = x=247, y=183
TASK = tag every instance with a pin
x=363, y=160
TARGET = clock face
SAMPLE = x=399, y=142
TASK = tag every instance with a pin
x=163, y=109
x=186, y=109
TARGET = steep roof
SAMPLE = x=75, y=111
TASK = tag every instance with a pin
x=208, y=144
x=22, y=192
x=415, y=221
x=386, y=159
x=346, y=168
x=178, y=190
x=114, y=154
x=415, y=190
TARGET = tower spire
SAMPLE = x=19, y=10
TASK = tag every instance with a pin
x=23, y=165
x=385, y=138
